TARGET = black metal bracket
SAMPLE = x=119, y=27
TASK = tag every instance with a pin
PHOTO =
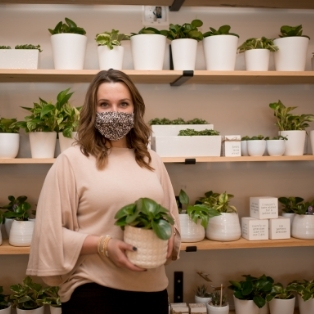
x=191, y=248
x=187, y=74
x=176, y=5
x=190, y=161
x=178, y=287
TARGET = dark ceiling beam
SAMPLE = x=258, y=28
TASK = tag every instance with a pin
x=176, y=5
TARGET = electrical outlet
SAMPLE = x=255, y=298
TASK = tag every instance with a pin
x=155, y=15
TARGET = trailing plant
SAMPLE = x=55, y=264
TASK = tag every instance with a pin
x=192, y=132
x=278, y=291
x=5, y=47
x=17, y=209
x=68, y=27
x=111, y=39
x=290, y=203
x=186, y=30
x=8, y=126
x=304, y=288
x=291, y=31
x=147, y=214
x=258, y=43
x=165, y=121
x=4, y=303
x=28, y=46
x=151, y=30
x=203, y=290
x=222, y=30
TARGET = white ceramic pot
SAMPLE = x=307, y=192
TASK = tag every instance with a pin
x=292, y=53
x=7, y=225
x=220, y=52
x=306, y=307
x=312, y=138
x=282, y=306
x=191, y=231
x=39, y=310
x=151, y=251
x=290, y=216
x=264, y=309
x=19, y=59
x=244, y=148
x=68, y=51
x=6, y=311
x=245, y=306
x=184, y=53
x=55, y=310
x=256, y=147
x=66, y=142
x=303, y=227
x=295, y=142
x=225, y=227
x=9, y=145
x=43, y=144
x=110, y=58
x=148, y=51
x=21, y=233
x=257, y=59
x=211, y=309
x=275, y=147
x=198, y=299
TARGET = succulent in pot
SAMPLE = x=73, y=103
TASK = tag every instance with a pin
x=202, y=293
x=9, y=138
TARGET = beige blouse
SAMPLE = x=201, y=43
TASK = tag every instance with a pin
x=76, y=200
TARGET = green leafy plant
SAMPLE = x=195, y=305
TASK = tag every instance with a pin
x=111, y=39
x=68, y=27
x=8, y=126
x=290, y=204
x=256, y=138
x=147, y=214
x=279, y=137
x=4, y=303
x=17, y=208
x=304, y=288
x=222, y=30
x=258, y=43
x=245, y=138
x=219, y=298
x=202, y=291
x=51, y=296
x=150, y=30
x=28, y=46
x=5, y=47
x=287, y=121
x=291, y=31
x=192, y=132
x=278, y=291
x=186, y=30
x=165, y=121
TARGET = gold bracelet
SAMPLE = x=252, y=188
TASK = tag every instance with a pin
x=104, y=250
x=100, y=245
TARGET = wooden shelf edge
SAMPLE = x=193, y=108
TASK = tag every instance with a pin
x=7, y=249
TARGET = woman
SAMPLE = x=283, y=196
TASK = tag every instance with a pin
x=109, y=168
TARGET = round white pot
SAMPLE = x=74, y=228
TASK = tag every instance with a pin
x=244, y=148
x=211, y=309
x=303, y=227
x=9, y=145
x=191, y=231
x=245, y=306
x=295, y=142
x=306, y=307
x=282, y=306
x=184, y=53
x=257, y=59
x=256, y=147
x=220, y=52
x=225, y=227
x=6, y=311
x=43, y=144
x=55, y=310
x=151, y=251
x=66, y=142
x=312, y=138
x=198, y=299
x=21, y=233
x=290, y=216
x=292, y=52
x=68, y=51
x=148, y=51
x=110, y=58
x=39, y=310
x=275, y=147
x=7, y=225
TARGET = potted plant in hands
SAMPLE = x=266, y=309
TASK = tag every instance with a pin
x=5, y=306
x=110, y=51
x=276, y=146
x=9, y=138
x=52, y=298
x=147, y=226
x=218, y=303
x=202, y=294
x=292, y=52
x=68, y=45
x=184, y=39
x=257, y=53
x=220, y=48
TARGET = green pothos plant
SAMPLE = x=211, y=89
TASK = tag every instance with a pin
x=68, y=27
x=186, y=30
x=258, y=43
x=8, y=125
x=304, y=288
x=111, y=39
x=222, y=30
x=151, y=30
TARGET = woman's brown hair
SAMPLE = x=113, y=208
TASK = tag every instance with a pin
x=92, y=142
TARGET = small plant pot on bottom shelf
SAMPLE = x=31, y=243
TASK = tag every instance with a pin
x=303, y=227
x=245, y=306
x=305, y=307
x=257, y=59
x=211, y=309
x=203, y=300
x=282, y=306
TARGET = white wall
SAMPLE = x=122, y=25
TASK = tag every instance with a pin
x=233, y=109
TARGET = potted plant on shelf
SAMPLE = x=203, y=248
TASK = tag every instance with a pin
x=184, y=39
x=218, y=303
x=68, y=45
x=110, y=51
x=276, y=145
x=52, y=298
x=256, y=145
x=257, y=53
x=9, y=138
x=5, y=306
x=220, y=48
x=289, y=206
x=244, y=140
x=202, y=294
x=292, y=52
x=292, y=127
x=147, y=225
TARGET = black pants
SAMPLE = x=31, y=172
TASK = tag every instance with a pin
x=92, y=298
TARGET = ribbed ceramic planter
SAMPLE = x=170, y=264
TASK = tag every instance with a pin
x=257, y=59
x=191, y=231
x=303, y=227
x=43, y=144
x=306, y=307
x=21, y=233
x=275, y=147
x=295, y=142
x=217, y=309
x=184, y=53
x=151, y=251
x=39, y=310
x=9, y=145
x=245, y=306
x=66, y=142
x=282, y=306
x=110, y=58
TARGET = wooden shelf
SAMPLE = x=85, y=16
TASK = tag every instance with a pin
x=7, y=249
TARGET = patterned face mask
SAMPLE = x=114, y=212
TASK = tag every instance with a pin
x=114, y=125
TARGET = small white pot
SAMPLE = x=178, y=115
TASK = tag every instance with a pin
x=244, y=148
x=198, y=299
x=303, y=227
x=184, y=53
x=55, y=310
x=256, y=147
x=39, y=310
x=21, y=233
x=306, y=307
x=290, y=216
x=295, y=142
x=19, y=59
x=7, y=225
x=282, y=306
x=211, y=309
x=66, y=142
x=257, y=59
x=245, y=306
x=275, y=147
x=110, y=58
x=6, y=311
x=9, y=145
x=43, y=144
x=191, y=231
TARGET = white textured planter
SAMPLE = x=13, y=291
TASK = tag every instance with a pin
x=43, y=144
x=303, y=227
x=245, y=306
x=110, y=58
x=148, y=51
x=290, y=216
x=40, y=310
x=292, y=52
x=21, y=233
x=191, y=231
x=151, y=251
x=256, y=147
x=220, y=52
x=295, y=142
x=312, y=138
x=275, y=147
x=9, y=144
x=66, y=142
x=244, y=148
x=55, y=310
x=184, y=53
x=225, y=227
x=19, y=58
x=173, y=129
x=198, y=299
x=217, y=309
x=282, y=306
x=306, y=307
x=6, y=311
x=257, y=59
x=68, y=51
x=7, y=225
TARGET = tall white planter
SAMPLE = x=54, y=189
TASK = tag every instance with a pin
x=110, y=58
x=43, y=144
x=68, y=51
x=9, y=145
x=220, y=52
x=66, y=142
x=21, y=233
x=303, y=227
x=282, y=306
x=257, y=59
x=245, y=306
x=306, y=307
x=19, y=59
x=184, y=53
x=191, y=231
x=295, y=142
x=148, y=51
x=292, y=52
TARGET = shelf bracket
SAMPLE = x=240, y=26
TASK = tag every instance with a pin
x=191, y=248
x=190, y=161
x=187, y=74
x=176, y=5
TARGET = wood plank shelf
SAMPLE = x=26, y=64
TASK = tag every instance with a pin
x=7, y=249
